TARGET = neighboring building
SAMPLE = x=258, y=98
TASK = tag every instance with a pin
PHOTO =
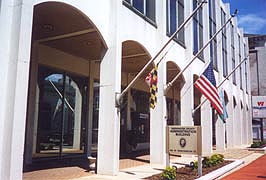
x=62, y=64
x=257, y=56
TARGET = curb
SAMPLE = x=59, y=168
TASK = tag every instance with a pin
x=258, y=150
x=221, y=171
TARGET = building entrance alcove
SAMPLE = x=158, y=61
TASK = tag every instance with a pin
x=135, y=110
x=61, y=126
x=197, y=101
x=173, y=98
x=66, y=53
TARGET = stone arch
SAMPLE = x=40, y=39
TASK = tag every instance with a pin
x=226, y=98
x=173, y=98
x=64, y=41
x=197, y=100
x=135, y=109
x=234, y=102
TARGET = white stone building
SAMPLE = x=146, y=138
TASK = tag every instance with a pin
x=62, y=63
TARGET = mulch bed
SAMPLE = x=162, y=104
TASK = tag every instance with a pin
x=186, y=173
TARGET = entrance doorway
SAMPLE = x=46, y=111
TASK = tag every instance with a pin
x=66, y=53
x=61, y=123
x=135, y=110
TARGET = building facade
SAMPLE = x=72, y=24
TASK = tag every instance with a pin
x=257, y=55
x=64, y=62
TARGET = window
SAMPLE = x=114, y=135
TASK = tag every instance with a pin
x=246, y=72
x=197, y=30
x=233, y=52
x=212, y=27
x=144, y=8
x=62, y=112
x=224, y=47
x=240, y=67
x=175, y=17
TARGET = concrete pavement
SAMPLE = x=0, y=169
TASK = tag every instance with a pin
x=136, y=168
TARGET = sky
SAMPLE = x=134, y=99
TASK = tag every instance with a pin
x=251, y=15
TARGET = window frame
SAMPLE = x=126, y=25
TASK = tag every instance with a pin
x=212, y=31
x=179, y=6
x=233, y=52
x=197, y=31
x=224, y=45
x=245, y=67
x=130, y=4
x=240, y=67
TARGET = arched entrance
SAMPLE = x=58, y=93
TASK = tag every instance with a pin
x=135, y=110
x=173, y=94
x=65, y=55
x=226, y=101
x=235, y=133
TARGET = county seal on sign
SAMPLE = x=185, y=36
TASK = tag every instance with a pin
x=182, y=142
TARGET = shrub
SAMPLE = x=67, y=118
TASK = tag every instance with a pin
x=169, y=173
x=214, y=160
x=256, y=144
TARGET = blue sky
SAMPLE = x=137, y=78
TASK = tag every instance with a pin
x=251, y=15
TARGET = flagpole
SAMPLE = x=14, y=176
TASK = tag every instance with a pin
x=170, y=84
x=119, y=96
x=226, y=78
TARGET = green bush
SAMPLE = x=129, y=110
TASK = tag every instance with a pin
x=214, y=160
x=256, y=144
x=169, y=173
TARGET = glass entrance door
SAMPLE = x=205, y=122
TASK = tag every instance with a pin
x=61, y=123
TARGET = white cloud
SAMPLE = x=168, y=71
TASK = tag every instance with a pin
x=252, y=23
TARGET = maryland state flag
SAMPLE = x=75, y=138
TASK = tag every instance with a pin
x=152, y=81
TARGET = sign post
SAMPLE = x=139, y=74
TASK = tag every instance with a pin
x=185, y=140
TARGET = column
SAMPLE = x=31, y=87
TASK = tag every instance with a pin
x=110, y=84
x=33, y=105
x=220, y=135
x=186, y=100
x=158, y=117
x=230, y=124
x=109, y=115
x=77, y=117
x=206, y=125
x=15, y=35
x=237, y=129
x=90, y=107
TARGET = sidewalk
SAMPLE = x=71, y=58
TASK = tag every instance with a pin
x=255, y=170
x=134, y=168
x=141, y=172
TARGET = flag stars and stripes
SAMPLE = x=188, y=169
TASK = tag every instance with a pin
x=206, y=84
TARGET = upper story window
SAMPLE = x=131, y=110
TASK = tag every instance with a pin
x=233, y=52
x=197, y=29
x=224, y=46
x=144, y=8
x=240, y=67
x=175, y=17
x=212, y=31
x=246, y=72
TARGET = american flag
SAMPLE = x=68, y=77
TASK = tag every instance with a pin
x=206, y=84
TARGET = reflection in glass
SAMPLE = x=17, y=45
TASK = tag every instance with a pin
x=60, y=117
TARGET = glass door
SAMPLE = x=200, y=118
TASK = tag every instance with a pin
x=62, y=113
